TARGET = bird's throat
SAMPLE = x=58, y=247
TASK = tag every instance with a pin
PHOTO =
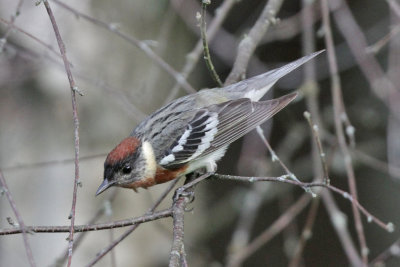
x=148, y=154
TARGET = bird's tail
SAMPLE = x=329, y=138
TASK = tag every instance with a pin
x=256, y=87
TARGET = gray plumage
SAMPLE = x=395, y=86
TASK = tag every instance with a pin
x=197, y=125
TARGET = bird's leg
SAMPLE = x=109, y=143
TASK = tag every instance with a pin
x=187, y=190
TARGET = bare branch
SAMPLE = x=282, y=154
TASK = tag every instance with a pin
x=74, y=90
x=283, y=179
x=270, y=232
x=49, y=47
x=132, y=40
x=134, y=226
x=315, y=130
x=10, y=25
x=92, y=227
x=177, y=254
x=339, y=222
x=380, y=85
x=249, y=43
x=22, y=228
x=193, y=57
x=339, y=113
x=62, y=258
x=311, y=91
x=392, y=251
x=51, y=162
x=206, y=53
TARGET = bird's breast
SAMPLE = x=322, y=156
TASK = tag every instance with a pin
x=161, y=176
x=165, y=175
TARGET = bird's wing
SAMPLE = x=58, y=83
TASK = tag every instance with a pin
x=216, y=126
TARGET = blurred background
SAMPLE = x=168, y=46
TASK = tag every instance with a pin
x=121, y=84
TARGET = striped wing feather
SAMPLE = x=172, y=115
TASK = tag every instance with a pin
x=218, y=125
x=233, y=129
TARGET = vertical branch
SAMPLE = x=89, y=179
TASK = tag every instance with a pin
x=4, y=188
x=311, y=91
x=193, y=57
x=107, y=249
x=78, y=240
x=183, y=196
x=339, y=112
x=249, y=43
x=74, y=89
x=177, y=254
x=108, y=212
x=315, y=132
x=393, y=129
x=339, y=222
x=206, y=52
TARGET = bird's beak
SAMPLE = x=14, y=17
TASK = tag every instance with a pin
x=104, y=185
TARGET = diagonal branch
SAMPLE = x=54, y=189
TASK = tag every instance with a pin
x=134, y=226
x=74, y=90
x=132, y=40
x=10, y=26
x=249, y=43
x=22, y=228
x=270, y=232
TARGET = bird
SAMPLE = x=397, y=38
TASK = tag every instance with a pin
x=193, y=132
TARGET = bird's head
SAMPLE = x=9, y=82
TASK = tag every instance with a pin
x=128, y=163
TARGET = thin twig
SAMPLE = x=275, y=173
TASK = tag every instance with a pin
x=193, y=57
x=394, y=6
x=275, y=157
x=134, y=226
x=22, y=228
x=27, y=166
x=306, y=233
x=10, y=26
x=381, y=43
x=339, y=223
x=311, y=91
x=249, y=43
x=270, y=232
x=150, y=216
x=248, y=214
x=207, y=57
x=393, y=73
x=315, y=130
x=74, y=90
x=283, y=179
x=338, y=107
x=392, y=251
x=60, y=261
x=115, y=93
x=132, y=40
x=373, y=72
x=256, y=197
x=108, y=212
x=376, y=164
x=32, y=37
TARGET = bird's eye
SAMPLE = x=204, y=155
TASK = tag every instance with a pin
x=127, y=169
